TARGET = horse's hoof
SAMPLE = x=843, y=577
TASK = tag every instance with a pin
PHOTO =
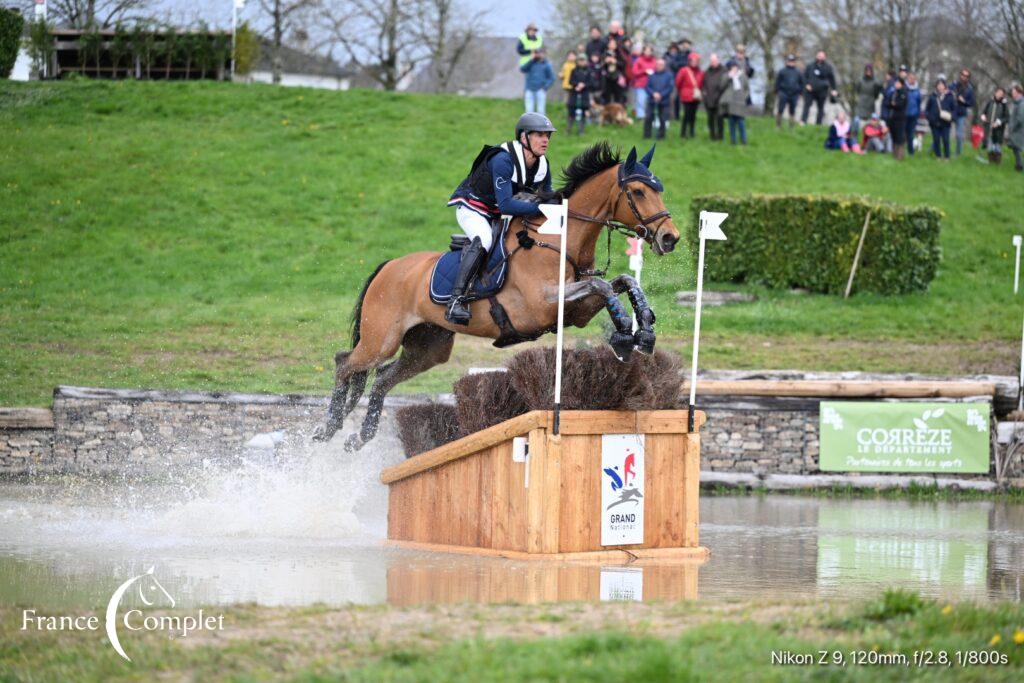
x=644, y=341
x=622, y=345
x=353, y=443
x=322, y=434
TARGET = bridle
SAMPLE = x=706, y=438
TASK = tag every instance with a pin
x=643, y=228
x=646, y=227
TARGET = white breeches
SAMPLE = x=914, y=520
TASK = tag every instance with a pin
x=474, y=225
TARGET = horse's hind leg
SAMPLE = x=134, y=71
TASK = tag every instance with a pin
x=423, y=347
x=350, y=375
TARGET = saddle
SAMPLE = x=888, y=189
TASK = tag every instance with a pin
x=492, y=275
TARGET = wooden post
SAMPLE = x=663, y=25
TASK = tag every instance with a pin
x=856, y=257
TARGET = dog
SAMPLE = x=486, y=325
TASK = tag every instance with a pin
x=612, y=113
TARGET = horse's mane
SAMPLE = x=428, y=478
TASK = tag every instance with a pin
x=596, y=158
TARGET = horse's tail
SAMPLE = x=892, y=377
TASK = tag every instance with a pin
x=357, y=312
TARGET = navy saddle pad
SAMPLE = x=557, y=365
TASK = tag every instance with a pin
x=488, y=282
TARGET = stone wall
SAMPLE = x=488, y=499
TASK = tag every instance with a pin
x=119, y=431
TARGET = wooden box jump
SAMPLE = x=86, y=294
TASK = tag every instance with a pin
x=612, y=485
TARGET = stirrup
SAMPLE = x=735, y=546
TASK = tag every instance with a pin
x=458, y=312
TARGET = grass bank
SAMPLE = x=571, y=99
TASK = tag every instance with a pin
x=213, y=236
x=867, y=641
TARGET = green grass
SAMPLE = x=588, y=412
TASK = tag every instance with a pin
x=213, y=236
x=691, y=641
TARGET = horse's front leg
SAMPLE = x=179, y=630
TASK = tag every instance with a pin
x=644, y=337
x=585, y=298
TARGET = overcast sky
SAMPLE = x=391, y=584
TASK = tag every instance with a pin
x=504, y=18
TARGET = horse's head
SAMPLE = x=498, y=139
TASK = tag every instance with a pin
x=639, y=205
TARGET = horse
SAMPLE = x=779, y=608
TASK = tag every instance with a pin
x=394, y=309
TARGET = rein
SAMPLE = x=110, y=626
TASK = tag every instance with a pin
x=642, y=229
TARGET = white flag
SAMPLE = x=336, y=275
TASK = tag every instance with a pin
x=556, y=215
x=239, y=4
x=710, y=222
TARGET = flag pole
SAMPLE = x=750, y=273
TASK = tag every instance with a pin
x=709, y=229
x=561, y=317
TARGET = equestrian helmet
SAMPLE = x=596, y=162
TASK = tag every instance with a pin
x=533, y=122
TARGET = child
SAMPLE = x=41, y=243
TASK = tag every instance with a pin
x=566, y=70
x=580, y=82
x=840, y=136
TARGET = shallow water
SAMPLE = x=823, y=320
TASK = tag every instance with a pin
x=307, y=528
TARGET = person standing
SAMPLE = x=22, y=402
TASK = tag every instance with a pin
x=674, y=61
x=913, y=110
x=963, y=91
x=566, y=72
x=995, y=116
x=734, y=101
x=1015, y=131
x=941, y=105
x=866, y=93
x=740, y=57
x=597, y=43
x=820, y=84
x=581, y=83
x=789, y=83
x=641, y=70
x=659, y=99
x=529, y=42
x=897, y=102
x=613, y=81
x=689, y=81
x=539, y=77
x=715, y=80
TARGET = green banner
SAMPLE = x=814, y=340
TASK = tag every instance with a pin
x=904, y=437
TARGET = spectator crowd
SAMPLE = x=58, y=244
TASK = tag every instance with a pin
x=889, y=116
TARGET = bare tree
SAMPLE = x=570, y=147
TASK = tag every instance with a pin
x=98, y=13
x=658, y=20
x=379, y=36
x=843, y=29
x=285, y=16
x=760, y=22
x=996, y=30
x=446, y=29
x=901, y=25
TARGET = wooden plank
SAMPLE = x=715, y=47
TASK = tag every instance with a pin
x=551, y=491
x=667, y=421
x=465, y=446
x=501, y=477
x=597, y=422
x=663, y=524
x=517, y=504
x=634, y=556
x=672, y=490
x=845, y=388
x=691, y=491
x=580, y=513
x=485, y=485
x=537, y=463
x=26, y=418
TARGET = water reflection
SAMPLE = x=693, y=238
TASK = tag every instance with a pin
x=60, y=551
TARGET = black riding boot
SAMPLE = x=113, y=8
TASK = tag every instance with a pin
x=472, y=259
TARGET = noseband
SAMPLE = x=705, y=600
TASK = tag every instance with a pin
x=643, y=228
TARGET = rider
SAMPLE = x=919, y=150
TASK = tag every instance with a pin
x=488, y=192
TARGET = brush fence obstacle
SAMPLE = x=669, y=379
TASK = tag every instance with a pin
x=611, y=485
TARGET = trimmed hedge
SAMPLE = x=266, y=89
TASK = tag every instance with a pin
x=785, y=241
x=11, y=26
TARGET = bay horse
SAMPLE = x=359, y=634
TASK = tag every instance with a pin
x=394, y=309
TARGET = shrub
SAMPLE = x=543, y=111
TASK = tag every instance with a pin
x=247, y=49
x=785, y=241
x=485, y=399
x=11, y=25
x=594, y=379
x=40, y=47
x=426, y=426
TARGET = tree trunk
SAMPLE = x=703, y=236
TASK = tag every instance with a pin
x=769, y=79
x=278, y=30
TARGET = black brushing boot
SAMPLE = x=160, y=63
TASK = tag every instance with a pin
x=472, y=258
x=622, y=338
x=644, y=337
